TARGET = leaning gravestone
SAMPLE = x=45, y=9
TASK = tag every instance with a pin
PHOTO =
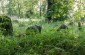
x=6, y=25
x=33, y=30
x=63, y=26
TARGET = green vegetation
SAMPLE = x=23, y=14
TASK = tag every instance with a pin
x=49, y=42
x=42, y=27
x=59, y=9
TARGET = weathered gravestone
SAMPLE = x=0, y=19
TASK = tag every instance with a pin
x=33, y=30
x=6, y=25
x=63, y=26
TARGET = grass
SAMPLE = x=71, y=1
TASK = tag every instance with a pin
x=49, y=42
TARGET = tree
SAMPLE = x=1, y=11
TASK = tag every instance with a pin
x=3, y=6
x=20, y=7
x=58, y=9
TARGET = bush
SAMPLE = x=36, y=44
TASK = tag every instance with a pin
x=49, y=42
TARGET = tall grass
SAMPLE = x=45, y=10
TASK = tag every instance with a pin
x=49, y=42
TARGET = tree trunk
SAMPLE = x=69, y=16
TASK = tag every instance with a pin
x=19, y=9
x=2, y=6
x=9, y=8
x=40, y=9
x=48, y=19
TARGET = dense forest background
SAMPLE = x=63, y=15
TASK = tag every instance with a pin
x=28, y=8
x=42, y=27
